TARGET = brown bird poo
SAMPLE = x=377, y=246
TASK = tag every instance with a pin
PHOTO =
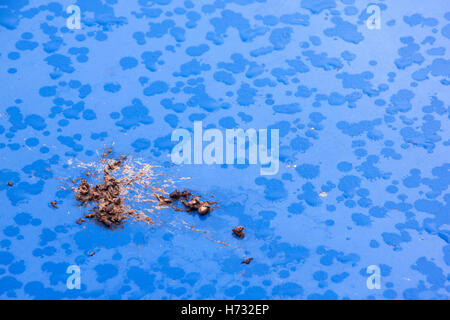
x=162, y=200
x=204, y=209
x=122, y=193
x=175, y=195
x=239, y=232
x=108, y=207
x=54, y=204
x=195, y=203
x=106, y=153
x=130, y=184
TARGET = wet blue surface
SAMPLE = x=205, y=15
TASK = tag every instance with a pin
x=364, y=137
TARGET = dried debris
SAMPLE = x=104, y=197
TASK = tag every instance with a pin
x=124, y=188
x=177, y=194
x=10, y=184
x=128, y=192
x=191, y=203
x=162, y=200
x=106, y=153
x=108, y=204
x=54, y=204
x=195, y=204
x=239, y=232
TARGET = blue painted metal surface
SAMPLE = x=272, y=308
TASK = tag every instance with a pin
x=364, y=136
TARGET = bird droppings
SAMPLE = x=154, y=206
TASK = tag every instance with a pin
x=247, y=261
x=10, y=184
x=177, y=194
x=191, y=202
x=115, y=190
x=54, y=204
x=106, y=198
x=239, y=232
x=127, y=189
x=195, y=204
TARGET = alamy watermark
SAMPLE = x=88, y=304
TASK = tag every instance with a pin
x=374, y=280
x=374, y=21
x=74, y=280
x=73, y=22
x=221, y=149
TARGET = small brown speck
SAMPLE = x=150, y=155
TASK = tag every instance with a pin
x=247, y=261
x=80, y=221
x=107, y=152
x=54, y=204
x=239, y=232
x=175, y=195
x=91, y=253
x=10, y=184
x=204, y=209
